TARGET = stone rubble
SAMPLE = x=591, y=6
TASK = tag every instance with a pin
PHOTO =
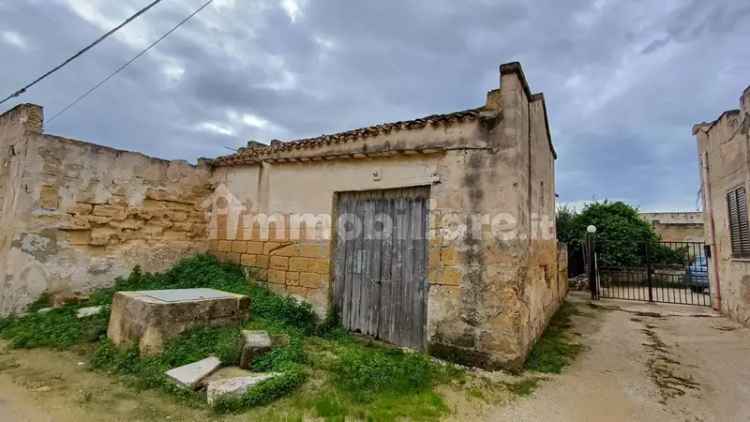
x=88, y=311
x=224, y=373
x=254, y=344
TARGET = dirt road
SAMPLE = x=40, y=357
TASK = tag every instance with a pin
x=637, y=366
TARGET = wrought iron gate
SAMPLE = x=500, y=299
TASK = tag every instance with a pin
x=665, y=272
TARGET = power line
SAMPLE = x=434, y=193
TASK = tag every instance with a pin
x=78, y=54
x=126, y=64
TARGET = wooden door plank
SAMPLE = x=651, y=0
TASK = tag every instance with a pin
x=369, y=283
x=376, y=283
x=358, y=211
x=349, y=252
x=386, y=305
x=419, y=273
x=403, y=264
x=339, y=263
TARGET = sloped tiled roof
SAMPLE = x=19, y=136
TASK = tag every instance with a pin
x=255, y=153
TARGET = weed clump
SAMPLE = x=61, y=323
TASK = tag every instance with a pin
x=555, y=350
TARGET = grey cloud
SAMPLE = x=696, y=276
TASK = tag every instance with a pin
x=620, y=119
x=655, y=45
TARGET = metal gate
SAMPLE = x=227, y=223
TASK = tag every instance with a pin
x=380, y=264
x=665, y=272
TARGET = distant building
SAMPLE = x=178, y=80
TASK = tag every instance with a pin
x=676, y=226
x=723, y=150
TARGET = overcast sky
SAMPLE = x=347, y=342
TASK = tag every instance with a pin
x=624, y=80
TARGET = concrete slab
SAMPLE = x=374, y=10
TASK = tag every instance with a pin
x=254, y=344
x=142, y=318
x=225, y=373
x=235, y=387
x=190, y=376
x=187, y=295
x=89, y=311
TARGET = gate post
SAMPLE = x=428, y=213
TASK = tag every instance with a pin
x=648, y=274
x=591, y=250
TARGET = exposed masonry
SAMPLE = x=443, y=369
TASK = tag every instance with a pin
x=722, y=153
x=77, y=215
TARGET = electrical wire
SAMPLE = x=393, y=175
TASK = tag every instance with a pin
x=78, y=54
x=126, y=64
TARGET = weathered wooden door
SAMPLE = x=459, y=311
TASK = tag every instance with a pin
x=380, y=285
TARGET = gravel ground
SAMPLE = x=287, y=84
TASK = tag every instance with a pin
x=686, y=365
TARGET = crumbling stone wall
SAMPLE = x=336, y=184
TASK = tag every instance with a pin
x=723, y=148
x=287, y=264
x=76, y=215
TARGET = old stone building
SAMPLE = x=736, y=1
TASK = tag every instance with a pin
x=723, y=151
x=476, y=185
x=436, y=233
x=676, y=226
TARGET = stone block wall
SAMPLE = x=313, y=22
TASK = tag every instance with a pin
x=296, y=267
x=77, y=215
x=722, y=151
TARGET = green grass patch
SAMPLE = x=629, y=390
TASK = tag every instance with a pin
x=329, y=404
x=365, y=372
x=352, y=379
x=58, y=328
x=555, y=349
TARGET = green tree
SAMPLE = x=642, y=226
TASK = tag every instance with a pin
x=564, y=223
x=621, y=234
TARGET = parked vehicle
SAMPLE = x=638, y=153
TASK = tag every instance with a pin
x=696, y=276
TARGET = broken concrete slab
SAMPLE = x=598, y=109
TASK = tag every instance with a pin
x=233, y=388
x=89, y=311
x=225, y=373
x=254, y=344
x=190, y=376
x=150, y=318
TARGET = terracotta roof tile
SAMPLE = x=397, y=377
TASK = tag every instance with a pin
x=256, y=152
